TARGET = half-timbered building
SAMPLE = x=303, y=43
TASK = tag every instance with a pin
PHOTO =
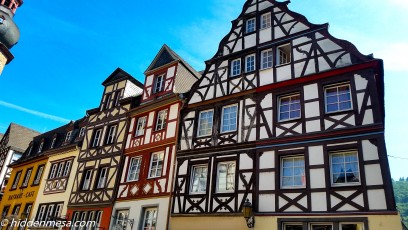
x=290, y=119
x=145, y=185
x=12, y=146
x=99, y=160
x=63, y=146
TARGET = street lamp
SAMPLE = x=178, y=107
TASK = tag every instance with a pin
x=248, y=214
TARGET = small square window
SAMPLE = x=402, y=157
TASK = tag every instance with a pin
x=293, y=172
x=344, y=168
x=250, y=63
x=199, y=179
x=289, y=107
x=338, y=98
x=226, y=177
x=266, y=20
x=205, y=123
x=266, y=59
x=236, y=67
x=229, y=118
x=250, y=25
x=283, y=54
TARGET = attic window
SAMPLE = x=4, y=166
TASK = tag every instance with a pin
x=266, y=20
x=41, y=147
x=53, y=142
x=283, y=54
x=250, y=25
x=159, y=83
x=68, y=137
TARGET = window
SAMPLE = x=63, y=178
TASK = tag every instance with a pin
x=229, y=118
x=293, y=227
x=134, y=168
x=38, y=175
x=293, y=172
x=50, y=211
x=27, y=210
x=31, y=149
x=97, y=138
x=344, y=167
x=321, y=227
x=205, y=123
x=83, y=218
x=161, y=120
x=74, y=219
x=98, y=219
x=351, y=226
x=140, y=127
x=338, y=98
x=156, y=165
x=265, y=20
x=117, y=97
x=236, y=67
x=27, y=177
x=67, y=168
x=86, y=181
x=121, y=219
x=16, y=180
x=250, y=63
x=60, y=169
x=266, y=59
x=108, y=99
x=103, y=174
x=81, y=132
x=53, y=171
x=41, y=212
x=41, y=147
x=199, y=179
x=250, y=25
x=16, y=210
x=289, y=107
x=283, y=54
x=53, y=142
x=58, y=210
x=149, y=219
x=159, y=84
x=111, y=134
x=226, y=177
x=68, y=136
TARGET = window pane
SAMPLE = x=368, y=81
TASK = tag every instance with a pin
x=205, y=123
x=338, y=98
x=344, y=167
x=226, y=176
x=289, y=107
x=229, y=119
x=293, y=172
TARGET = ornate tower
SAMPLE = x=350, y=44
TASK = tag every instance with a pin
x=9, y=32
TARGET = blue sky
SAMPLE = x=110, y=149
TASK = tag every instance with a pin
x=66, y=51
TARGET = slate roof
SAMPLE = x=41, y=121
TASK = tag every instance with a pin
x=120, y=75
x=165, y=56
x=19, y=137
x=1, y=136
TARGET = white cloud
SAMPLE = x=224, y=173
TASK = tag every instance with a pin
x=33, y=112
x=394, y=56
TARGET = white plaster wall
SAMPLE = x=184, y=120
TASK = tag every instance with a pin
x=250, y=41
x=313, y=126
x=316, y=155
x=266, y=203
x=170, y=72
x=317, y=178
x=265, y=35
x=373, y=174
x=267, y=181
x=376, y=199
x=6, y=162
x=267, y=160
x=310, y=91
x=370, y=151
x=319, y=202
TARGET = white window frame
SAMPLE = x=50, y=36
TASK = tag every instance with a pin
x=86, y=184
x=38, y=174
x=337, y=86
x=140, y=126
x=250, y=61
x=266, y=59
x=16, y=179
x=53, y=142
x=16, y=209
x=281, y=50
x=250, y=25
x=266, y=20
x=193, y=177
x=156, y=166
x=290, y=96
x=159, y=79
x=98, y=218
x=58, y=210
x=110, y=139
x=27, y=177
x=53, y=171
x=346, y=183
x=41, y=212
x=303, y=177
x=68, y=136
x=146, y=218
x=208, y=131
x=41, y=147
x=122, y=222
x=161, y=120
x=236, y=68
x=97, y=138
x=222, y=119
x=50, y=211
x=27, y=209
x=226, y=190
x=103, y=175
x=60, y=169
x=134, y=169
x=81, y=132
x=67, y=168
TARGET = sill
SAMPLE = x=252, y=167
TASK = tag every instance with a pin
x=197, y=193
x=235, y=76
x=293, y=187
x=225, y=192
x=345, y=184
x=12, y=189
x=131, y=181
x=138, y=136
x=228, y=132
x=284, y=64
x=289, y=120
x=265, y=28
x=250, y=72
x=23, y=186
x=338, y=111
x=36, y=184
x=150, y=178
x=266, y=68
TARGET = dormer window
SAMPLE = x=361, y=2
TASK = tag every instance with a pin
x=159, y=83
x=283, y=54
x=117, y=97
x=31, y=149
x=107, y=101
x=53, y=142
x=68, y=137
x=41, y=147
x=82, y=132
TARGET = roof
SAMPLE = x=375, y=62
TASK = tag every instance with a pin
x=165, y=56
x=19, y=137
x=1, y=135
x=120, y=75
